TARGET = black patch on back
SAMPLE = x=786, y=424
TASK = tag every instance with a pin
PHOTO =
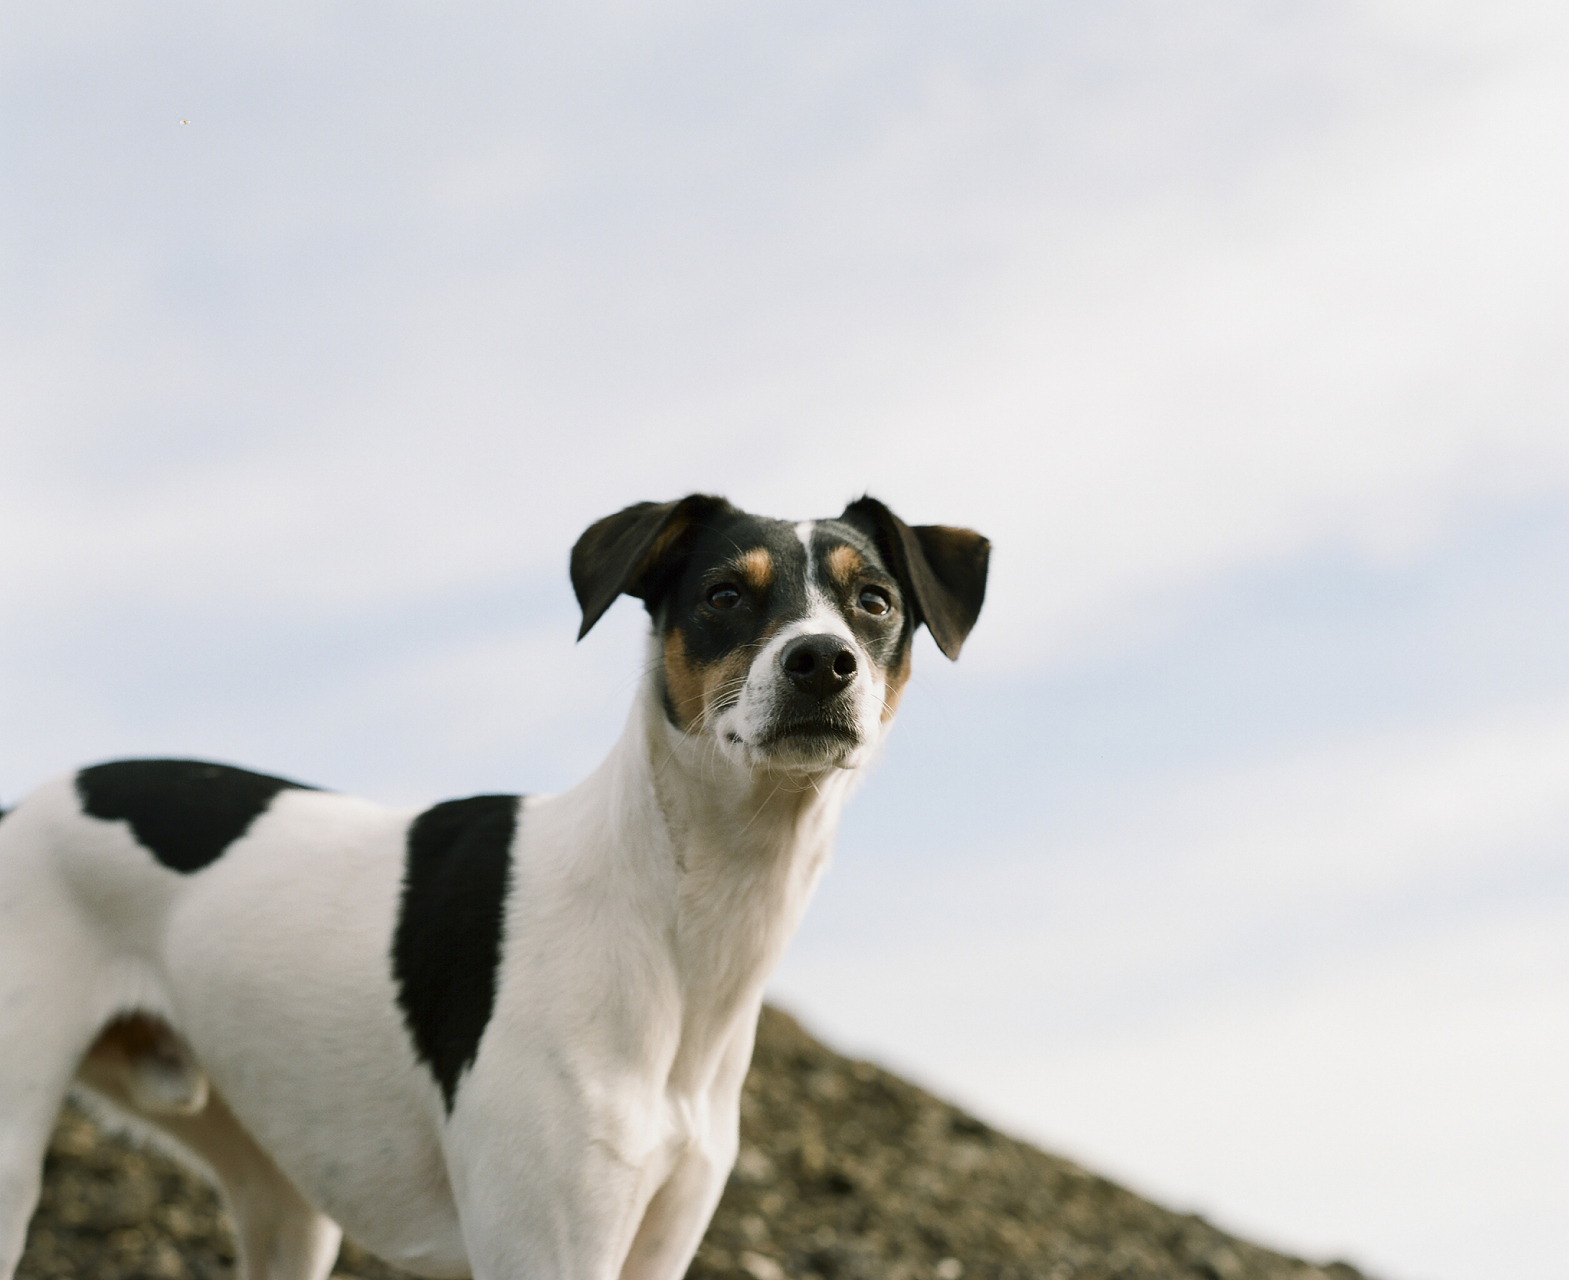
x=187, y=812
x=447, y=945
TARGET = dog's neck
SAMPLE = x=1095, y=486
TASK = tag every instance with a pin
x=724, y=858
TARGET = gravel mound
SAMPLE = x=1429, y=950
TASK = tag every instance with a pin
x=845, y=1173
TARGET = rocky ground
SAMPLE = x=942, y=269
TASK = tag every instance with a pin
x=845, y=1173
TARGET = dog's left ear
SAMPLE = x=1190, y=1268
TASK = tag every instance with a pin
x=942, y=570
x=632, y=551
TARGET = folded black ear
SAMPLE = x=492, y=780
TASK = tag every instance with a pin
x=941, y=570
x=632, y=551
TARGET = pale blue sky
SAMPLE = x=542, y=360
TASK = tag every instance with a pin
x=1231, y=857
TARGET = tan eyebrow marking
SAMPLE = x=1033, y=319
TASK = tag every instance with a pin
x=845, y=563
x=757, y=567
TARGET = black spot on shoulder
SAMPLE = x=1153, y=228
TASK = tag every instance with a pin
x=186, y=811
x=447, y=945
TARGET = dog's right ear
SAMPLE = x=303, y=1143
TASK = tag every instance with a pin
x=941, y=569
x=633, y=551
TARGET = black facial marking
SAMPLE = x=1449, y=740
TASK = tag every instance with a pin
x=884, y=635
x=717, y=609
x=696, y=600
x=711, y=626
x=447, y=945
x=187, y=812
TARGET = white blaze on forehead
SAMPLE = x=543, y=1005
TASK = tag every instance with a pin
x=803, y=531
x=821, y=616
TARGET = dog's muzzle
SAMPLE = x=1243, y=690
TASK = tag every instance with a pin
x=813, y=713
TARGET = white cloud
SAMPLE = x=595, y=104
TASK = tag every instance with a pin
x=1351, y=337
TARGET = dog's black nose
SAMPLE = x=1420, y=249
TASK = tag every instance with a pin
x=820, y=665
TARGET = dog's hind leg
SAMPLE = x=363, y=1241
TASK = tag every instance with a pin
x=281, y=1236
x=142, y=1066
x=34, y=1078
x=38, y=1053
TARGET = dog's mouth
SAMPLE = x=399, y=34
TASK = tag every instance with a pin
x=810, y=741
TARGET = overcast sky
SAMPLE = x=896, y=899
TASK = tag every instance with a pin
x=1231, y=858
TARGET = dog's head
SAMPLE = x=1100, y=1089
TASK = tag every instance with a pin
x=786, y=644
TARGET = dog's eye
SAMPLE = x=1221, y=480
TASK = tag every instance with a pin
x=875, y=600
x=724, y=596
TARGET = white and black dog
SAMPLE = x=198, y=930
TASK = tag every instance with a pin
x=502, y=1037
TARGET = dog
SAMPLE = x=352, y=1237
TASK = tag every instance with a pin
x=503, y=1037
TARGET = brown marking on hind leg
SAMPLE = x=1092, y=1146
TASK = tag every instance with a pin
x=142, y=1057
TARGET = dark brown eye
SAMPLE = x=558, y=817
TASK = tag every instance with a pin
x=875, y=600
x=724, y=596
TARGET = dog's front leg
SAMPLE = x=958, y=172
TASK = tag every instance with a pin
x=676, y=1218
x=674, y=1222
x=542, y=1192
x=523, y=1217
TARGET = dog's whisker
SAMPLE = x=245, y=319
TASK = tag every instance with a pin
x=760, y=809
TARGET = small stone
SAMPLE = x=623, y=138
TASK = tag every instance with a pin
x=760, y=1267
x=1224, y=1264
x=813, y=1156
x=950, y=1269
x=127, y=1243
x=167, y=1263
x=178, y=1221
x=753, y=1166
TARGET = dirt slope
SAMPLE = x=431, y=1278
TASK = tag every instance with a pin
x=846, y=1173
